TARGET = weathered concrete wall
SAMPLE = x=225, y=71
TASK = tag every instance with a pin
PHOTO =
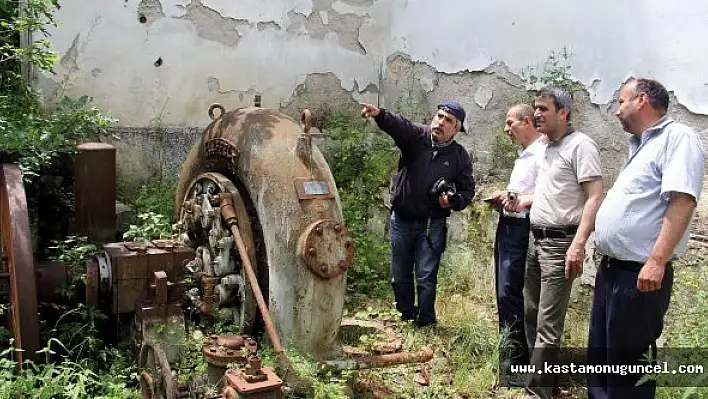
x=172, y=58
x=163, y=62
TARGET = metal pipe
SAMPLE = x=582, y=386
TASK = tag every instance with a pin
x=301, y=385
x=229, y=214
x=372, y=362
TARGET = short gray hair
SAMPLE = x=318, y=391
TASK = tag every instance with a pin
x=561, y=98
x=520, y=111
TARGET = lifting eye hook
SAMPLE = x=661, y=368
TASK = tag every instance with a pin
x=221, y=109
x=306, y=121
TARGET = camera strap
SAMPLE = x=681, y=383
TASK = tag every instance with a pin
x=427, y=234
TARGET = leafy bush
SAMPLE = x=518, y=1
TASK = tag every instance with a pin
x=150, y=226
x=157, y=197
x=503, y=154
x=362, y=162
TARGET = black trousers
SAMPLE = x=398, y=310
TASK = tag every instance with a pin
x=624, y=325
x=510, y=247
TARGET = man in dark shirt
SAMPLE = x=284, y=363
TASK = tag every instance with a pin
x=434, y=177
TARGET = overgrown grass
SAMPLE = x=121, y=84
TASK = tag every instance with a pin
x=686, y=322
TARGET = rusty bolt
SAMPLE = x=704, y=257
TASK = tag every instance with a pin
x=323, y=268
x=255, y=362
x=312, y=251
x=318, y=230
x=337, y=228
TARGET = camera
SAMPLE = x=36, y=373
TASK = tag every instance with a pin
x=511, y=196
x=448, y=188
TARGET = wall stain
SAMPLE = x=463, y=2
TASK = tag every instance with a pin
x=150, y=10
x=211, y=25
x=69, y=59
x=346, y=26
x=261, y=26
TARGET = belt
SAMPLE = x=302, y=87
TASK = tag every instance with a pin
x=624, y=264
x=553, y=232
x=515, y=215
x=621, y=264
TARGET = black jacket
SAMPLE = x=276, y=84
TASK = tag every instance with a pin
x=421, y=165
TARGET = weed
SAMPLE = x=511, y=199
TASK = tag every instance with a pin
x=150, y=226
x=74, y=252
x=503, y=154
x=555, y=72
x=157, y=197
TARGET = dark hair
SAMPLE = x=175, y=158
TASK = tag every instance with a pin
x=656, y=93
x=561, y=98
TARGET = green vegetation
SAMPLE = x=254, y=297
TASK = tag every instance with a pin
x=42, y=139
x=363, y=162
x=80, y=364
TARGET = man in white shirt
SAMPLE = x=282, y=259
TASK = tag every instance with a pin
x=512, y=237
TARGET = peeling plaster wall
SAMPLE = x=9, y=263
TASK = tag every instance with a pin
x=148, y=58
x=610, y=40
x=163, y=62
x=167, y=61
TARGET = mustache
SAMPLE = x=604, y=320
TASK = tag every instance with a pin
x=437, y=129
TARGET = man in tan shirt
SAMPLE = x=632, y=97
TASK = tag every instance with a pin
x=567, y=195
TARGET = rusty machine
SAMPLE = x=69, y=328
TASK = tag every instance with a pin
x=260, y=242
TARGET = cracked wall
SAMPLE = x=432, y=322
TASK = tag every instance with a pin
x=163, y=62
x=151, y=59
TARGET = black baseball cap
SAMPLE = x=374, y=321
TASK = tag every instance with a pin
x=455, y=109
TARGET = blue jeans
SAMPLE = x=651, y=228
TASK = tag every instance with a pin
x=414, y=251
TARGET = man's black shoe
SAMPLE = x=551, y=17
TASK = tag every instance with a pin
x=406, y=317
x=421, y=324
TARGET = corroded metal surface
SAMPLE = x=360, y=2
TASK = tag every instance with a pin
x=258, y=150
x=223, y=350
x=228, y=348
x=95, y=189
x=156, y=379
x=224, y=282
x=127, y=270
x=17, y=250
x=327, y=248
x=369, y=362
x=269, y=383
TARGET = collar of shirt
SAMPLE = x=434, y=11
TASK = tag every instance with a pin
x=636, y=142
x=533, y=148
x=568, y=131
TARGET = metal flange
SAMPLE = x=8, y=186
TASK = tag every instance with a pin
x=327, y=248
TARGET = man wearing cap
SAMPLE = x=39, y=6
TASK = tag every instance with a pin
x=434, y=177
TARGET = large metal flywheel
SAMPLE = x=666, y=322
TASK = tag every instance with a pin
x=17, y=269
